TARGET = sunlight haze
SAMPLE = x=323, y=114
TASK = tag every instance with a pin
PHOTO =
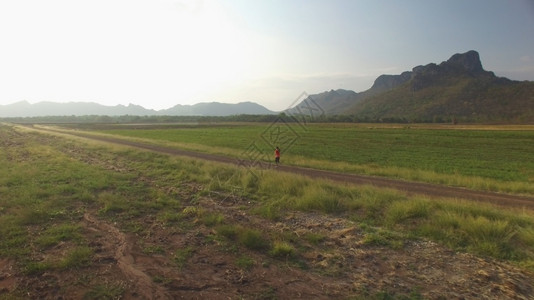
x=159, y=53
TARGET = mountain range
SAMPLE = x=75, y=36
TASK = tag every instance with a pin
x=458, y=89
x=25, y=109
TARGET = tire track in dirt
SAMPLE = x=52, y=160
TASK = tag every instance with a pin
x=428, y=189
x=143, y=284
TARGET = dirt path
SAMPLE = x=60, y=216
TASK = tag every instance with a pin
x=125, y=261
x=428, y=189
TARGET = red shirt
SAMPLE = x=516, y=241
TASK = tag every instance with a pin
x=276, y=153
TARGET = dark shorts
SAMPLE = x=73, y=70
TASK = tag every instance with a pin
x=277, y=159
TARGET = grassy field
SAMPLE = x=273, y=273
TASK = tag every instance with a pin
x=48, y=183
x=487, y=158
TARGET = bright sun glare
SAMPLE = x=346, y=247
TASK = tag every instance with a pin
x=211, y=51
x=125, y=50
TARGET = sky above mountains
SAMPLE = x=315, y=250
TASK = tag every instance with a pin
x=159, y=53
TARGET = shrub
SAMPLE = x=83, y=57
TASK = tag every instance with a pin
x=282, y=249
x=182, y=256
x=321, y=199
x=253, y=239
x=228, y=231
x=34, y=268
x=192, y=211
x=400, y=211
x=314, y=238
x=212, y=219
x=245, y=262
x=112, y=203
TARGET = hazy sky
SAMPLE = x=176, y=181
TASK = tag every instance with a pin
x=159, y=53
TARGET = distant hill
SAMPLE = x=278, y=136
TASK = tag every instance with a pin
x=25, y=109
x=336, y=102
x=332, y=102
x=217, y=109
x=456, y=89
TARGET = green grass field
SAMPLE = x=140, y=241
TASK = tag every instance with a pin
x=487, y=158
x=42, y=183
x=47, y=183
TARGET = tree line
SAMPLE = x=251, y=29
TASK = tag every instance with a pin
x=100, y=119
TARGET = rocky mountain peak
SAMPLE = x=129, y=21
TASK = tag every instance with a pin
x=460, y=64
x=469, y=61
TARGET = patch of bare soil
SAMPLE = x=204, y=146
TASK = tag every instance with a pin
x=339, y=267
x=7, y=276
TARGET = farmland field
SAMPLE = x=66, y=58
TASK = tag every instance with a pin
x=488, y=158
x=93, y=220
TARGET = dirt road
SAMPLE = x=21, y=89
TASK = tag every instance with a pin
x=428, y=189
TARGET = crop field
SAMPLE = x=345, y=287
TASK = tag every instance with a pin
x=487, y=158
x=85, y=219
